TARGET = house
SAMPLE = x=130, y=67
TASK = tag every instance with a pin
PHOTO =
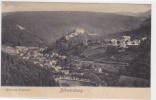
x=17, y=51
x=35, y=54
x=56, y=54
x=99, y=70
x=47, y=55
x=57, y=68
x=63, y=57
x=41, y=65
x=41, y=49
x=114, y=42
x=76, y=34
x=67, y=37
x=136, y=42
x=53, y=62
x=122, y=43
x=65, y=71
x=21, y=54
x=35, y=62
x=71, y=36
x=27, y=57
x=50, y=63
x=80, y=73
x=129, y=43
x=126, y=38
x=51, y=56
x=79, y=67
x=144, y=38
x=60, y=56
x=85, y=43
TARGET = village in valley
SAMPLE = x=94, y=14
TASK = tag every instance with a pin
x=84, y=67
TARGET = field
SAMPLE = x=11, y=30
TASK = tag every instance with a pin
x=99, y=54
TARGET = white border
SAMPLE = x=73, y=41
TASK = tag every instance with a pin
x=90, y=1
x=153, y=53
x=153, y=34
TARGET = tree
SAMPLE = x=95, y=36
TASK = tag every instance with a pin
x=112, y=49
x=118, y=42
x=95, y=78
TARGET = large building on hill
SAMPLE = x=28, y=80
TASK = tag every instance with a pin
x=77, y=32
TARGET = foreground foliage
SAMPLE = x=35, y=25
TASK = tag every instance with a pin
x=17, y=72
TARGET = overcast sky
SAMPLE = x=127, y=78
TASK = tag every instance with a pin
x=110, y=8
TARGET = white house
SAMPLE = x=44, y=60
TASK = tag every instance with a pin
x=35, y=62
x=136, y=42
x=144, y=38
x=126, y=38
x=114, y=42
x=99, y=70
x=65, y=71
x=67, y=37
x=57, y=68
x=53, y=62
x=122, y=43
x=71, y=36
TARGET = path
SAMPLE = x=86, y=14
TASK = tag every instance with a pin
x=73, y=83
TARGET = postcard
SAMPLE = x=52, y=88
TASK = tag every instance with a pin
x=75, y=50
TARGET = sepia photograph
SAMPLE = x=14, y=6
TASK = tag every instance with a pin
x=75, y=45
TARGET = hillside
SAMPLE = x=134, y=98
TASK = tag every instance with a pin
x=73, y=46
x=13, y=34
x=143, y=31
x=18, y=72
x=42, y=28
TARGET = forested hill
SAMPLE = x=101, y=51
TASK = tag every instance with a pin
x=143, y=31
x=18, y=72
x=40, y=28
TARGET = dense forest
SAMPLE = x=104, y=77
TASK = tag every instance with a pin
x=18, y=72
x=13, y=36
x=140, y=65
x=143, y=31
x=143, y=59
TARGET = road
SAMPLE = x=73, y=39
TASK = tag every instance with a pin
x=67, y=82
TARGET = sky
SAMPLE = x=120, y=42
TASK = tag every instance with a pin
x=38, y=6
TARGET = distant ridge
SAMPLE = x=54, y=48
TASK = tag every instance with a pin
x=141, y=14
x=49, y=26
